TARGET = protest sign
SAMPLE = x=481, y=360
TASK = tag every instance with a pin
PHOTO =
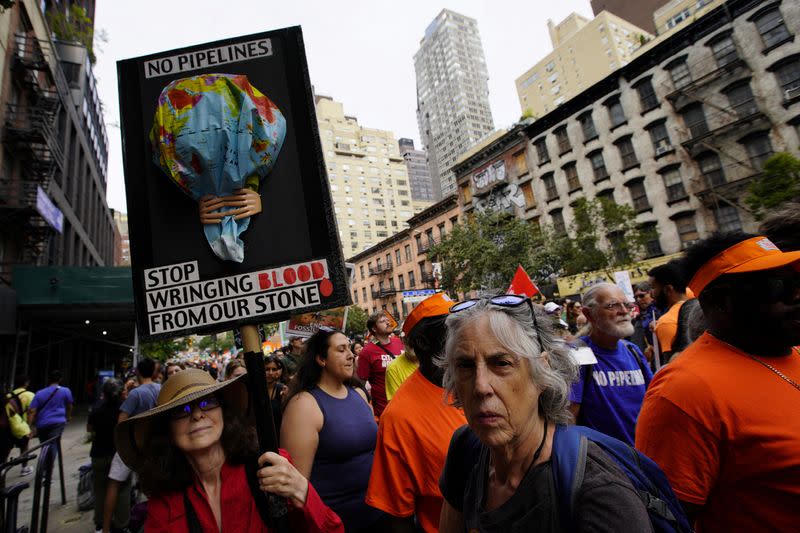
x=229, y=209
x=307, y=324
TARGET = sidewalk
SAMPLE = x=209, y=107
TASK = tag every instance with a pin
x=62, y=518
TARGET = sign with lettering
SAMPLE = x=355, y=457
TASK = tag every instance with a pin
x=229, y=208
x=48, y=210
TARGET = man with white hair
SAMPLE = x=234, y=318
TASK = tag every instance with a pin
x=608, y=394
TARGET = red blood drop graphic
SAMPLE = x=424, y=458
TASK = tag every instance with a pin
x=326, y=287
x=304, y=273
x=289, y=276
x=318, y=270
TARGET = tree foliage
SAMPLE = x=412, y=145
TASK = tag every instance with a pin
x=75, y=26
x=356, y=321
x=779, y=183
x=605, y=234
x=483, y=253
x=162, y=350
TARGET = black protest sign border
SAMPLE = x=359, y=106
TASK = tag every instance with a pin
x=146, y=225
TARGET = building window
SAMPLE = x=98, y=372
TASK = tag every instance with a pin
x=687, y=230
x=587, y=125
x=639, y=196
x=408, y=252
x=724, y=51
x=711, y=169
x=741, y=100
x=647, y=95
x=660, y=138
x=652, y=245
x=573, y=182
x=626, y=153
x=598, y=165
x=520, y=164
x=541, y=151
x=615, y=113
x=364, y=294
x=727, y=218
x=759, y=149
x=361, y=269
x=788, y=76
x=527, y=193
x=401, y=282
x=558, y=222
x=673, y=183
x=695, y=120
x=606, y=196
x=680, y=74
x=397, y=256
x=441, y=231
x=412, y=281
x=466, y=193
x=772, y=28
x=563, y=140
x=550, y=188
x=355, y=296
x=418, y=238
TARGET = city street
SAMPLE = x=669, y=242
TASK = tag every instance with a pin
x=63, y=518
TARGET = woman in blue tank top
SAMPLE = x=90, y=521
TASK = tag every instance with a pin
x=330, y=431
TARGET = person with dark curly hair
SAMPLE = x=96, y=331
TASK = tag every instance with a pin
x=330, y=431
x=276, y=387
x=195, y=454
x=723, y=419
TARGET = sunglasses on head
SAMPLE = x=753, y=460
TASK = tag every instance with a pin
x=204, y=404
x=503, y=300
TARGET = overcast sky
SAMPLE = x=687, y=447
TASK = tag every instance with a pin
x=360, y=52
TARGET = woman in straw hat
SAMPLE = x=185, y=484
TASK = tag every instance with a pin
x=195, y=455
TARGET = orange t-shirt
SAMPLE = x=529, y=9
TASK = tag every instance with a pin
x=413, y=437
x=667, y=327
x=726, y=431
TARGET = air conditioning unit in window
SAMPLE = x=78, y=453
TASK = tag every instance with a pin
x=663, y=147
x=792, y=93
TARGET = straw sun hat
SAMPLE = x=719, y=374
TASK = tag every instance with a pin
x=186, y=386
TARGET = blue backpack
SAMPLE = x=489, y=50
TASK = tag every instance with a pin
x=569, y=462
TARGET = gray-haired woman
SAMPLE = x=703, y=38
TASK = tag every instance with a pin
x=503, y=365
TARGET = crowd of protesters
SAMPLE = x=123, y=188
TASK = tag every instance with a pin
x=458, y=420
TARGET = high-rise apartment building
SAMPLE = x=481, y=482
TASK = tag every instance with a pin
x=122, y=245
x=677, y=12
x=368, y=178
x=584, y=52
x=639, y=13
x=452, y=94
x=418, y=172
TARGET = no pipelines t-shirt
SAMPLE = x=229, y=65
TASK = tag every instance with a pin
x=612, y=396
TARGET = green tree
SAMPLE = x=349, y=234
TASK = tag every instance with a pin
x=356, y=321
x=604, y=234
x=163, y=349
x=75, y=26
x=779, y=183
x=483, y=253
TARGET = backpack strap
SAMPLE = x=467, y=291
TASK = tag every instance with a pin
x=568, y=460
x=192, y=522
x=382, y=347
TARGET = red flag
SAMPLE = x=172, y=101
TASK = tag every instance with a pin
x=522, y=284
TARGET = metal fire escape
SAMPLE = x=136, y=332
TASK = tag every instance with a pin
x=30, y=135
x=710, y=127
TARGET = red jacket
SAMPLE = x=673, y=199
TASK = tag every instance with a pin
x=166, y=512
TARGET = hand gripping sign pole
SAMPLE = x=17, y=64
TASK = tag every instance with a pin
x=265, y=425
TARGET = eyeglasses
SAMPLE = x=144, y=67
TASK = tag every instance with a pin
x=204, y=404
x=503, y=300
x=619, y=306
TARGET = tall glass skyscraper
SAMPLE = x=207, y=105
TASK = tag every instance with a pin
x=452, y=94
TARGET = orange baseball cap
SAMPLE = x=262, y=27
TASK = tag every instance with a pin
x=752, y=255
x=437, y=305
